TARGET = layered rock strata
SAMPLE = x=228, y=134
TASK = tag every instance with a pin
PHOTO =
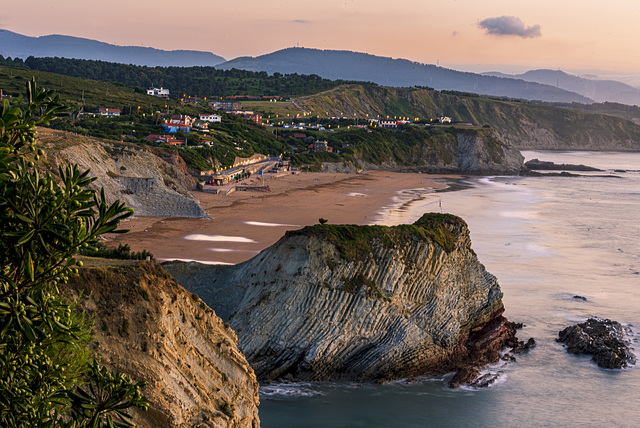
x=149, y=327
x=151, y=181
x=362, y=303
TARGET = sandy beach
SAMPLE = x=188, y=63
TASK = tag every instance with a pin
x=244, y=223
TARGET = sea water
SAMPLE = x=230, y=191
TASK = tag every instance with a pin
x=548, y=240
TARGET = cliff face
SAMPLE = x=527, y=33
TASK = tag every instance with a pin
x=134, y=174
x=473, y=152
x=521, y=125
x=359, y=302
x=148, y=326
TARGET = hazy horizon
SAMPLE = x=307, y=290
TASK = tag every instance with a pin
x=566, y=35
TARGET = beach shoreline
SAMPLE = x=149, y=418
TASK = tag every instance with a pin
x=244, y=223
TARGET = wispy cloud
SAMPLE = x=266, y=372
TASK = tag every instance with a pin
x=301, y=21
x=509, y=26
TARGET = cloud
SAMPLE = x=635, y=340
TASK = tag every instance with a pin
x=509, y=26
x=301, y=21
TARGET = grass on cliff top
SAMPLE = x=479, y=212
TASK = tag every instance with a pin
x=355, y=243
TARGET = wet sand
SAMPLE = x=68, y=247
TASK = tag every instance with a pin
x=244, y=223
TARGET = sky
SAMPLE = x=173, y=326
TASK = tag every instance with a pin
x=475, y=35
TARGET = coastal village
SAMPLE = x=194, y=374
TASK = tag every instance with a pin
x=176, y=129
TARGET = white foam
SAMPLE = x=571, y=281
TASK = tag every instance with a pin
x=219, y=238
x=229, y=250
x=357, y=194
x=259, y=223
x=205, y=262
x=288, y=390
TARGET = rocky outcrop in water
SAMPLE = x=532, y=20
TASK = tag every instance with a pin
x=602, y=338
x=149, y=327
x=366, y=303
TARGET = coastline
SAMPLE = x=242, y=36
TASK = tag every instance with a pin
x=245, y=223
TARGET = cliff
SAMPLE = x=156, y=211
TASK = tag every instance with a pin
x=152, y=184
x=451, y=151
x=149, y=327
x=359, y=302
x=522, y=125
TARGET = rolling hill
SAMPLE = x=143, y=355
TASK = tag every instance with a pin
x=597, y=90
x=347, y=65
x=15, y=45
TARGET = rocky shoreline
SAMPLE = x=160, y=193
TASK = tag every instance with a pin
x=360, y=303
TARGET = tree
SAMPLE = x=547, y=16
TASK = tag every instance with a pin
x=44, y=358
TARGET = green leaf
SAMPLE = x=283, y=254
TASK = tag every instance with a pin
x=26, y=237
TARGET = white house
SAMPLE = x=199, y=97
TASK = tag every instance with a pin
x=444, y=119
x=109, y=112
x=158, y=92
x=210, y=117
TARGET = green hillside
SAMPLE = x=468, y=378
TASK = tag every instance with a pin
x=516, y=121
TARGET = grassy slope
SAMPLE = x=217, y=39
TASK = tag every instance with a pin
x=71, y=89
x=507, y=116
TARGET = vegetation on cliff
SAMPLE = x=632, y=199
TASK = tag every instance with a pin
x=507, y=116
x=355, y=243
x=44, y=360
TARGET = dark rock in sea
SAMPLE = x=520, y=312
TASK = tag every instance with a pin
x=580, y=298
x=551, y=166
x=602, y=338
x=464, y=376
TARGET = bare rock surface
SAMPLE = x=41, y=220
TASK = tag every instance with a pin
x=365, y=303
x=152, y=181
x=602, y=338
x=149, y=327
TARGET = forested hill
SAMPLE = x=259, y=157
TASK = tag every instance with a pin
x=193, y=81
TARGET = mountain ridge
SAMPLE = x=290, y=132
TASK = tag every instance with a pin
x=20, y=46
x=348, y=65
x=598, y=90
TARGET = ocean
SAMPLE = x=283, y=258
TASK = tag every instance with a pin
x=546, y=239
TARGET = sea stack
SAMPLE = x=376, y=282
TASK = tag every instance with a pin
x=362, y=303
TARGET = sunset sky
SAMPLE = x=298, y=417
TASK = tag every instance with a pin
x=462, y=34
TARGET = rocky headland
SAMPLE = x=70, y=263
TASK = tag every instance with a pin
x=152, y=181
x=149, y=327
x=363, y=303
x=604, y=339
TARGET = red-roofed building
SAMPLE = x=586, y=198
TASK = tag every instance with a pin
x=109, y=112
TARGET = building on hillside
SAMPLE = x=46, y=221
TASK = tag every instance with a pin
x=256, y=158
x=249, y=115
x=181, y=118
x=158, y=92
x=185, y=128
x=201, y=125
x=225, y=105
x=444, y=119
x=320, y=146
x=166, y=139
x=109, y=112
x=210, y=117
x=390, y=124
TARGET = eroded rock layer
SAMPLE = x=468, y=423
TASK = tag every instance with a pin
x=359, y=302
x=149, y=327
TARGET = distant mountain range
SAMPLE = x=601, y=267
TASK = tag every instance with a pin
x=597, y=90
x=18, y=46
x=544, y=85
x=348, y=65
